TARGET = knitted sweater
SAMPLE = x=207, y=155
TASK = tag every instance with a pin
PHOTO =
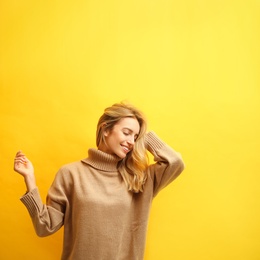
x=102, y=219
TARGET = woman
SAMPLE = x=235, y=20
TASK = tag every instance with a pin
x=104, y=201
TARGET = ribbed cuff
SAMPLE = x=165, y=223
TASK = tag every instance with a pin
x=153, y=142
x=32, y=201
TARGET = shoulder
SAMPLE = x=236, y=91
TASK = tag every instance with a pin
x=69, y=172
x=72, y=167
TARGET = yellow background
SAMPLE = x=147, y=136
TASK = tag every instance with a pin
x=191, y=66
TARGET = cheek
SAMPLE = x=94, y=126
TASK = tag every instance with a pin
x=112, y=140
x=115, y=137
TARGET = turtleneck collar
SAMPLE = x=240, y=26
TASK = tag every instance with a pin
x=102, y=161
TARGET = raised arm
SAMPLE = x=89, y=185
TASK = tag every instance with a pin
x=46, y=218
x=169, y=163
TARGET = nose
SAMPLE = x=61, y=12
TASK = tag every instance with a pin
x=131, y=140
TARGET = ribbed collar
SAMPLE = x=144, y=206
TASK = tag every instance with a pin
x=102, y=161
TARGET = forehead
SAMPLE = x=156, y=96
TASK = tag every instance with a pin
x=129, y=123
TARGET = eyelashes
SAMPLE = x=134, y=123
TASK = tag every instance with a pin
x=127, y=134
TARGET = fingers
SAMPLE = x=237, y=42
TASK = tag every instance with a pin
x=22, y=165
x=20, y=158
x=20, y=153
x=17, y=161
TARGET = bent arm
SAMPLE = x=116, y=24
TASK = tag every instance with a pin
x=48, y=218
x=169, y=163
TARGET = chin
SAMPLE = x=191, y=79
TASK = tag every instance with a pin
x=121, y=155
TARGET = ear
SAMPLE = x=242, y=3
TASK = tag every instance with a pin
x=106, y=132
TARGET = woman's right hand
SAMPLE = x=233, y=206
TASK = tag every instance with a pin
x=24, y=167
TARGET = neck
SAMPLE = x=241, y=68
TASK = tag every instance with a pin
x=102, y=160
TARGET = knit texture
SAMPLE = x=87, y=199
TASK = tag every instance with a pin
x=101, y=218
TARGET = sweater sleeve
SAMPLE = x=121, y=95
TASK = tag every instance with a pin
x=47, y=218
x=168, y=163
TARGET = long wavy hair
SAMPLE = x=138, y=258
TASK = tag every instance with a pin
x=132, y=167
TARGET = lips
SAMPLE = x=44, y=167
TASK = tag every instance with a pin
x=126, y=149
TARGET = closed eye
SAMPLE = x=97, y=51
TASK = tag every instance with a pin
x=128, y=132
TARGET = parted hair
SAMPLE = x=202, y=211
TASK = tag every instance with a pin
x=132, y=167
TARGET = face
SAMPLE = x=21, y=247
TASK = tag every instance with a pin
x=121, y=138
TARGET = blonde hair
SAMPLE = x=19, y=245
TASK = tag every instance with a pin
x=132, y=167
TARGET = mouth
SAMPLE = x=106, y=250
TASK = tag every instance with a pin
x=126, y=149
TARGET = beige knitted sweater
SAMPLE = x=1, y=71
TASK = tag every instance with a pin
x=102, y=219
